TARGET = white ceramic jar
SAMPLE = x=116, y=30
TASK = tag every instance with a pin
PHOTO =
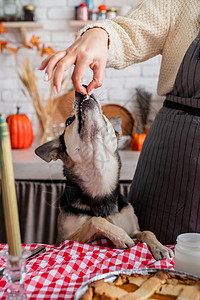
x=187, y=253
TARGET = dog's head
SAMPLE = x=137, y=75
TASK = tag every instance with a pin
x=88, y=144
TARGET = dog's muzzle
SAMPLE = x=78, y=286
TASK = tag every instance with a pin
x=62, y=143
x=61, y=137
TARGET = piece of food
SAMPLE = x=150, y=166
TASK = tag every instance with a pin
x=160, y=285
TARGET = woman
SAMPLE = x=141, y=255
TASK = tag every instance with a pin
x=165, y=191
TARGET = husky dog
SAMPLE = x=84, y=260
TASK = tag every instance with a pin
x=91, y=205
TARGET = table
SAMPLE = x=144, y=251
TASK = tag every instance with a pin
x=28, y=166
x=61, y=270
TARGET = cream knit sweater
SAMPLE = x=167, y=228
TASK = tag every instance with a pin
x=165, y=27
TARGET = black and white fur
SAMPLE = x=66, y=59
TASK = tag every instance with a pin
x=91, y=205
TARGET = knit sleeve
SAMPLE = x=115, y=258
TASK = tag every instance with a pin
x=138, y=36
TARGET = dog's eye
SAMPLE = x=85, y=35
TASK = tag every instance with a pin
x=69, y=120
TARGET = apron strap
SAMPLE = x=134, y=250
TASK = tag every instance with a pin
x=188, y=109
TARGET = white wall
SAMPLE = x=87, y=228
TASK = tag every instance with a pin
x=118, y=87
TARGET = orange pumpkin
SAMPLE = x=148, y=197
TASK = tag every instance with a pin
x=137, y=141
x=21, y=131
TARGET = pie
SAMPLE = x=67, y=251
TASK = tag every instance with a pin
x=160, y=285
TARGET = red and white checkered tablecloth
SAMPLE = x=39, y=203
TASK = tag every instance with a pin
x=61, y=270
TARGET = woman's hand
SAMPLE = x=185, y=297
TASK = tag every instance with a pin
x=89, y=50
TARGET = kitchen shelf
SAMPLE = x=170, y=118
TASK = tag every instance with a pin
x=23, y=26
x=76, y=24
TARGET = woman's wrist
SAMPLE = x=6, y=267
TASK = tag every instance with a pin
x=98, y=31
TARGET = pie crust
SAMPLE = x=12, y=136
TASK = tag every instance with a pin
x=160, y=285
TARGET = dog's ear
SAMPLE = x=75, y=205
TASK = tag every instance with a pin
x=49, y=151
x=117, y=125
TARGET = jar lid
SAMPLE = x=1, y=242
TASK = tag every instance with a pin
x=191, y=239
x=29, y=7
x=83, y=5
x=103, y=7
x=112, y=9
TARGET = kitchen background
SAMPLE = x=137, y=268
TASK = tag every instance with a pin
x=119, y=85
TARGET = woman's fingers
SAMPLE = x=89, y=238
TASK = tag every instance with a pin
x=98, y=75
x=52, y=63
x=63, y=65
x=89, y=50
x=45, y=62
x=81, y=65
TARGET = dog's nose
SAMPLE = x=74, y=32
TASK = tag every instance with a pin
x=88, y=103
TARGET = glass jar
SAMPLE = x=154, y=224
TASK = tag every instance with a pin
x=93, y=14
x=102, y=12
x=29, y=13
x=76, y=12
x=83, y=12
x=9, y=10
x=111, y=13
x=187, y=253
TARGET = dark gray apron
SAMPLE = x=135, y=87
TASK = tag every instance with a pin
x=165, y=191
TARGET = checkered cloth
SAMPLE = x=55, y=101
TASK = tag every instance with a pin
x=61, y=270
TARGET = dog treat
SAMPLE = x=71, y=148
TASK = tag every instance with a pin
x=160, y=285
x=86, y=97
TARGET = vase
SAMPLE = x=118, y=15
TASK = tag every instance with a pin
x=15, y=273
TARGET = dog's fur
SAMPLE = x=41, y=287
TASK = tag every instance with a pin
x=92, y=206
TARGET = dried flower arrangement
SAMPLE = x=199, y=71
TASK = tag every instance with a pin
x=143, y=100
x=33, y=43
x=44, y=108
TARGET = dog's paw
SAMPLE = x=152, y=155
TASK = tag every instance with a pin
x=123, y=241
x=161, y=252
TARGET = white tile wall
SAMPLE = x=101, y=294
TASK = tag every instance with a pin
x=118, y=87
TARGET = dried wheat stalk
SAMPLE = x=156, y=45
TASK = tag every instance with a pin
x=44, y=109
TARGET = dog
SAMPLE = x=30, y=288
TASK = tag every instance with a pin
x=91, y=206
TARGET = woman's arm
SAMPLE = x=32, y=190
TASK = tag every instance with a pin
x=89, y=50
x=131, y=39
x=138, y=36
